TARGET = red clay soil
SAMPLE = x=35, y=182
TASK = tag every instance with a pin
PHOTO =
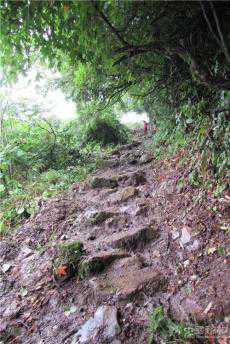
x=160, y=245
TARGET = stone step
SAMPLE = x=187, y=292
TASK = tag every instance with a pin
x=99, y=261
x=101, y=182
x=126, y=278
x=128, y=147
x=131, y=239
x=123, y=195
x=133, y=179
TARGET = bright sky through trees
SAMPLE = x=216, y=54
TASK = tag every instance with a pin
x=34, y=89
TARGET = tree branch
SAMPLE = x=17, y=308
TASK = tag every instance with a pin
x=111, y=27
x=222, y=42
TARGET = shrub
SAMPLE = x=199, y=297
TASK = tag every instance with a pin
x=166, y=329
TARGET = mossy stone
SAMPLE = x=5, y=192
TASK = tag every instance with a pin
x=100, y=182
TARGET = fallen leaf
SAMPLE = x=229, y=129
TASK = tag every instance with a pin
x=61, y=270
x=211, y=250
x=27, y=317
x=207, y=309
x=32, y=329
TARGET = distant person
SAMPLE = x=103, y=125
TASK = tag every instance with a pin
x=145, y=127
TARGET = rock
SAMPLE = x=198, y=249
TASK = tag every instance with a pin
x=91, y=236
x=183, y=308
x=175, y=234
x=100, y=182
x=100, y=217
x=89, y=213
x=131, y=209
x=102, y=326
x=128, y=192
x=135, y=178
x=123, y=195
x=185, y=236
x=194, y=246
x=138, y=178
x=63, y=237
x=145, y=158
x=130, y=158
x=129, y=146
x=133, y=238
x=111, y=163
x=26, y=251
x=129, y=306
x=12, y=309
x=98, y=261
x=6, y=267
x=125, y=278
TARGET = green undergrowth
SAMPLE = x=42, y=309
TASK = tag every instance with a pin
x=70, y=254
x=165, y=330
x=199, y=144
x=24, y=196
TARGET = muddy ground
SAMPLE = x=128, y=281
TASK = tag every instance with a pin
x=159, y=244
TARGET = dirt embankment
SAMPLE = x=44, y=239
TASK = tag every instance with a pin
x=156, y=244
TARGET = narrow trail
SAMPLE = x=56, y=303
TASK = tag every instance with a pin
x=156, y=244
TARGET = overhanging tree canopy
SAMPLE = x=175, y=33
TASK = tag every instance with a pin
x=104, y=48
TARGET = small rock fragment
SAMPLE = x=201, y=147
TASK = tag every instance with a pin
x=175, y=234
x=145, y=158
x=103, y=325
x=185, y=236
x=6, y=267
x=195, y=245
x=128, y=192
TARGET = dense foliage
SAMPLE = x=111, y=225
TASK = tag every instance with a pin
x=160, y=52
x=110, y=46
x=40, y=156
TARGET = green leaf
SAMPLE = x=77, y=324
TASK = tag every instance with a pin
x=20, y=210
x=2, y=188
x=70, y=310
x=23, y=291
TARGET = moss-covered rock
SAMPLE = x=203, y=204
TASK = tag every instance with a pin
x=67, y=260
x=100, y=217
x=99, y=261
x=100, y=182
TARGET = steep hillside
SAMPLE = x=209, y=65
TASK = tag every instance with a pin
x=139, y=241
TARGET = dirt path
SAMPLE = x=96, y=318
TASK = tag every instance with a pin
x=156, y=244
